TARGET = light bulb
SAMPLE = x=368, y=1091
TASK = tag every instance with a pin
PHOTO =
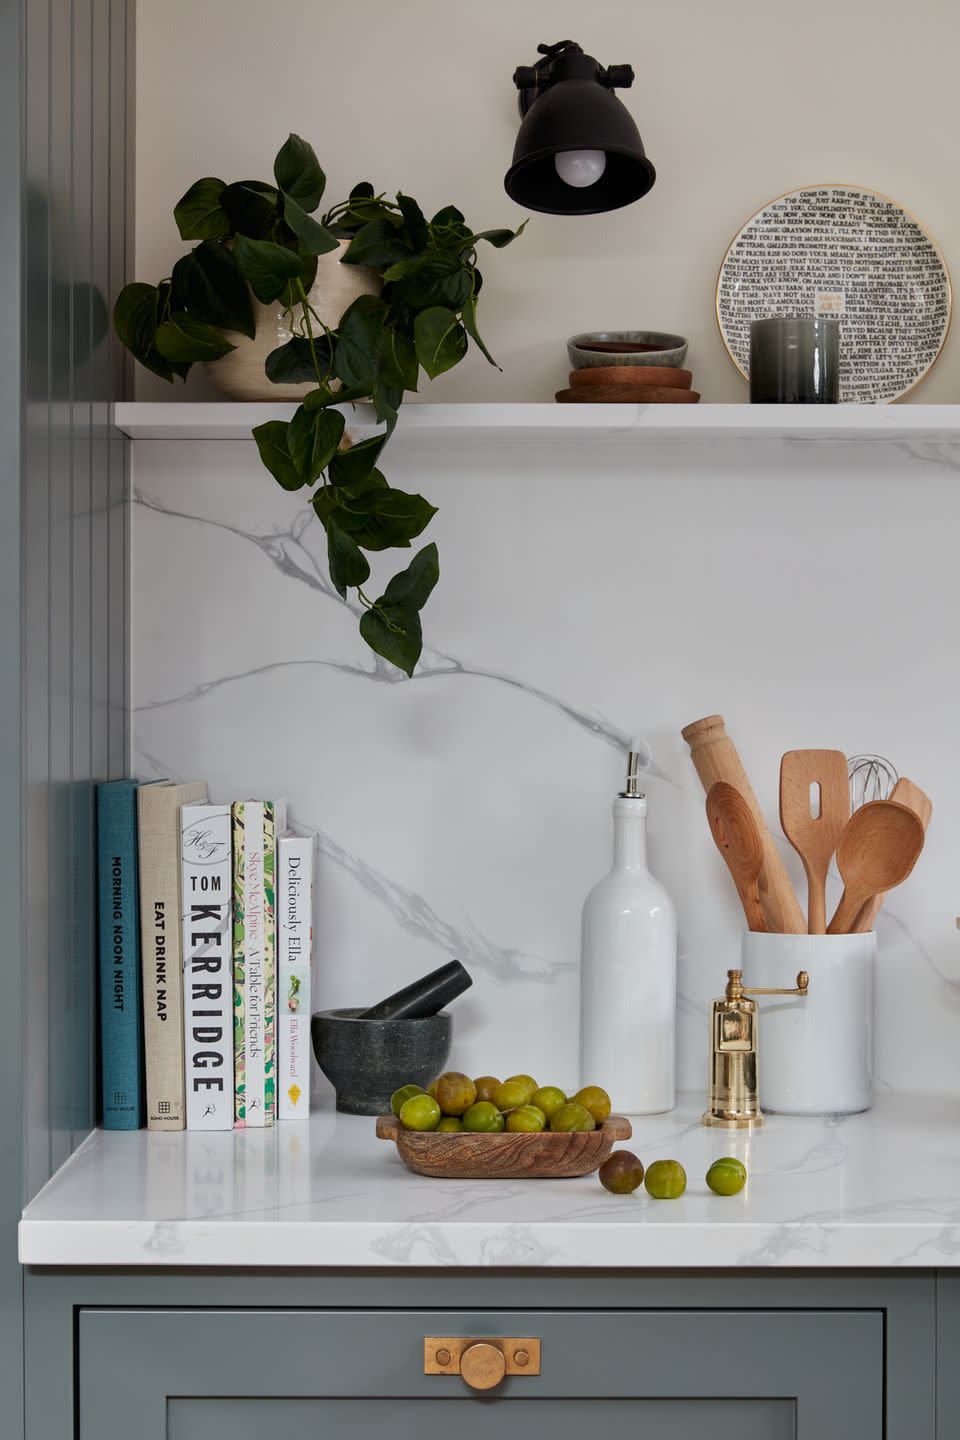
x=580, y=168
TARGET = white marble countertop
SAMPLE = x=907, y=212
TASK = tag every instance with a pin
x=874, y=1190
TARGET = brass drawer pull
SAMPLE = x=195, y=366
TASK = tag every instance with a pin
x=481, y=1362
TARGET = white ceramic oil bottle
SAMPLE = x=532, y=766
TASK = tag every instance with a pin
x=628, y=969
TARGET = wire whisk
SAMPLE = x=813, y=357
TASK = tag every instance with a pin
x=871, y=778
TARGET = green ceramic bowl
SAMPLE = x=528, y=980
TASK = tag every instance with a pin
x=644, y=347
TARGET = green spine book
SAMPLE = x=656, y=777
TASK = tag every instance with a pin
x=255, y=827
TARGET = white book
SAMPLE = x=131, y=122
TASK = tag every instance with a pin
x=295, y=852
x=255, y=826
x=206, y=900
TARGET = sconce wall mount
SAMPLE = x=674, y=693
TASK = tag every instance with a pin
x=578, y=151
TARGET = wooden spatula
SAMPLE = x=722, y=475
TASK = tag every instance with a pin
x=905, y=793
x=877, y=851
x=738, y=839
x=813, y=819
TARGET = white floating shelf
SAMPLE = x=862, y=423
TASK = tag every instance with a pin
x=234, y=421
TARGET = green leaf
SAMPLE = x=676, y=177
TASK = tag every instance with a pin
x=413, y=586
x=135, y=321
x=380, y=242
x=298, y=174
x=165, y=310
x=356, y=356
x=273, y=443
x=135, y=317
x=396, y=636
x=181, y=338
x=324, y=395
x=399, y=366
x=348, y=564
x=497, y=238
x=397, y=272
x=364, y=206
x=292, y=363
x=208, y=284
x=414, y=221
x=267, y=267
x=440, y=339
x=349, y=467
x=315, y=238
x=313, y=438
x=383, y=518
x=469, y=318
x=352, y=506
x=290, y=294
x=251, y=206
x=437, y=278
x=449, y=215
x=200, y=214
x=387, y=400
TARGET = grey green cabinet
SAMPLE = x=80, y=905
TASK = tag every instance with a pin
x=202, y=1374
x=178, y=1355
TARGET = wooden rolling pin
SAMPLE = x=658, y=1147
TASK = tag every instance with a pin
x=715, y=757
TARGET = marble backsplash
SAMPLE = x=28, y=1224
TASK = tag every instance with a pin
x=807, y=590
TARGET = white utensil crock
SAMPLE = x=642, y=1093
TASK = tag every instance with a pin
x=815, y=1053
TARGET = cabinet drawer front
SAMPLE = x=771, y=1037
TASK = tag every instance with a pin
x=191, y=1373
x=217, y=1419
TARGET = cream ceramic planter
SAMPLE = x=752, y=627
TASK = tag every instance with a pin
x=240, y=376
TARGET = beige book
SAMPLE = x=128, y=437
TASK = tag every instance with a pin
x=158, y=808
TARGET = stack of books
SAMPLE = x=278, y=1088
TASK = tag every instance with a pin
x=204, y=937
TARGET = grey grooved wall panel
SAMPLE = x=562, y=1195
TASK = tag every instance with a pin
x=66, y=156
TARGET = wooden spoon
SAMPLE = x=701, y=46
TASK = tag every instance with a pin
x=737, y=838
x=877, y=851
x=814, y=836
x=905, y=793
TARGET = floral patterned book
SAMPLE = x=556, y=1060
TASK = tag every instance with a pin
x=295, y=852
x=255, y=826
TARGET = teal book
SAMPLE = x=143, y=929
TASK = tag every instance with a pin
x=118, y=949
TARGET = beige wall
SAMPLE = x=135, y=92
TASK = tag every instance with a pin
x=736, y=100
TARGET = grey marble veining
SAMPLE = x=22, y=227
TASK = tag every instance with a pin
x=292, y=558
x=820, y=1191
x=467, y=811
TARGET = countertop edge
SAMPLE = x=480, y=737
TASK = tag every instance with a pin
x=469, y=1245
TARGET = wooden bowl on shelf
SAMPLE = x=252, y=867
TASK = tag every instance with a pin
x=667, y=375
x=627, y=395
x=552, y=1155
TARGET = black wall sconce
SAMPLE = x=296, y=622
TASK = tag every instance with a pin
x=578, y=151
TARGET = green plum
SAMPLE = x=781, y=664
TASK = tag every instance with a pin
x=455, y=1093
x=483, y=1119
x=727, y=1176
x=487, y=1086
x=526, y=1119
x=597, y=1101
x=572, y=1117
x=549, y=1099
x=511, y=1094
x=420, y=1112
x=404, y=1093
x=665, y=1180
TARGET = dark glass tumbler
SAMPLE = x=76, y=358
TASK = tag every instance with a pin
x=795, y=361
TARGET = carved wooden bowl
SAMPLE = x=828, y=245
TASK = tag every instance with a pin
x=552, y=1155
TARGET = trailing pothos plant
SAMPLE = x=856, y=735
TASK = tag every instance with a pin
x=264, y=238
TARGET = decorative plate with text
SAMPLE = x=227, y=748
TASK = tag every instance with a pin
x=841, y=250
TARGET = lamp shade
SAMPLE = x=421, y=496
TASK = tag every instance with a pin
x=579, y=115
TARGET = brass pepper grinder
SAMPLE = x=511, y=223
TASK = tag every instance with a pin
x=733, y=1103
